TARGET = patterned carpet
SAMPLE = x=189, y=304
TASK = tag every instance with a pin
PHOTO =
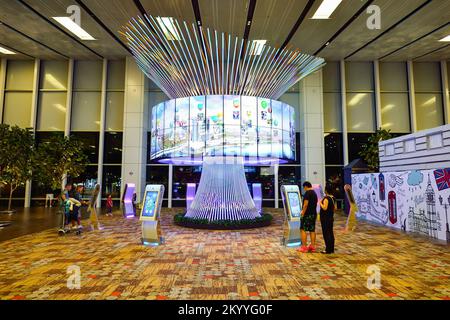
x=195, y=264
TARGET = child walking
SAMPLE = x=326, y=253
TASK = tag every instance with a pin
x=109, y=206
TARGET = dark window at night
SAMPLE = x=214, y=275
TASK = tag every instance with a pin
x=356, y=141
x=113, y=148
x=42, y=137
x=183, y=175
x=263, y=175
x=90, y=140
x=333, y=148
x=88, y=179
x=334, y=177
x=112, y=179
x=158, y=175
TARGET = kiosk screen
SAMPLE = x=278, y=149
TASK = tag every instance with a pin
x=150, y=204
x=294, y=203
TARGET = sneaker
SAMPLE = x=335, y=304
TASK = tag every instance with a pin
x=311, y=249
x=303, y=249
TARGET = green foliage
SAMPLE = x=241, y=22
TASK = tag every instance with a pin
x=182, y=219
x=370, y=151
x=58, y=158
x=16, y=157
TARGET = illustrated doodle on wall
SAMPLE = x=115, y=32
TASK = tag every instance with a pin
x=412, y=201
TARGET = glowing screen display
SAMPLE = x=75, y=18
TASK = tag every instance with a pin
x=217, y=125
x=150, y=204
x=294, y=203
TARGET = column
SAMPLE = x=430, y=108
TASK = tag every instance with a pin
x=344, y=112
x=2, y=86
x=376, y=73
x=311, y=129
x=412, y=98
x=169, y=186
x=101, y=144
x=445, y=91
x=276, y=187
x=34, y=105
x=136, y=120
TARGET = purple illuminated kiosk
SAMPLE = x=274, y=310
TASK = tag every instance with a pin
x=127, y=200
x=223, y=112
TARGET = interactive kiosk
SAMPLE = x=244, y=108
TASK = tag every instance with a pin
x=92, y=209
x=351, y=220
x=150, y=213
x=127, y=200
x=292, y=203
x=257, y=196
x=190, y=194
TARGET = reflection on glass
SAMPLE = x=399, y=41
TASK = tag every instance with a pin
x=182, y=175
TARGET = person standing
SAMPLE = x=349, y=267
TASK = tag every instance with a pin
x=327, y=208
x=109, y=205
x=308, y=219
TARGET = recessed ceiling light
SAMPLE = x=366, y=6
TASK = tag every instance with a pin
x=6, y=51
x=326, y=9
x=70, y=25
x=168, y=27
x=258, y=46
x=445, y=39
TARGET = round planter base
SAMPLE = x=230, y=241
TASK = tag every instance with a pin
x=262, y=222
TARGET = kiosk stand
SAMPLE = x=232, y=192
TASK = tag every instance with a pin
x=292, y=212
x=257, y=196
x=351, y=219
x=92, y=209
x=127, y=200
x=150, y=213
x=190, y=194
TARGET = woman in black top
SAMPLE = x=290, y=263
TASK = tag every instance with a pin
x=327, y=207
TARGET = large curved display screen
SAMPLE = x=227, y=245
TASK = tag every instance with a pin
x=222, y=125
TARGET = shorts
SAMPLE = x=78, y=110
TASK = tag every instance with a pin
x=308, y=222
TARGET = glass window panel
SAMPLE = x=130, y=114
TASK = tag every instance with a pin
x=182, y=175
x=91, y=144
x=356, y=141
x=427, y=77
x=114, y=111
x=54, y=75
x=331, y=77
x=88, y=179
x=263, y=175
x=448, y=73
x=360, y=112
x=395, y=112
x=51, y=111
x=112, y=180
x=158, y=175
x=116, y=75
x=393, y=76
x=332, y=112
x=19, y=75
x=86, y=111
x=359, y=76
x=290, y=175
x=333, y=148
x=17, y=110
x=334, y=178
x=429, y=110
x=43, y=137
x=88, y=75
x=113, y=148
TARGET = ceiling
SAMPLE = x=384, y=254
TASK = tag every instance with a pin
x=410, y=29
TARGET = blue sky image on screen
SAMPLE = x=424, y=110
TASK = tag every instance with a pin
x=264, y=127
x=232, y=123
x=197, y=125
x=249, y=124
x=181, y=148
x=214, y=125
x=277, y=125
x=294, y=203
x=150, y=204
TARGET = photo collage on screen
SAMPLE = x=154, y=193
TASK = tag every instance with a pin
x=223, y=125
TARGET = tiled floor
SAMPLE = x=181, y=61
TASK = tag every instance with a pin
x=195, y=264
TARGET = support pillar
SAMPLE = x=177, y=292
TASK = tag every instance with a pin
x=135, y=127
x=311, y=129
